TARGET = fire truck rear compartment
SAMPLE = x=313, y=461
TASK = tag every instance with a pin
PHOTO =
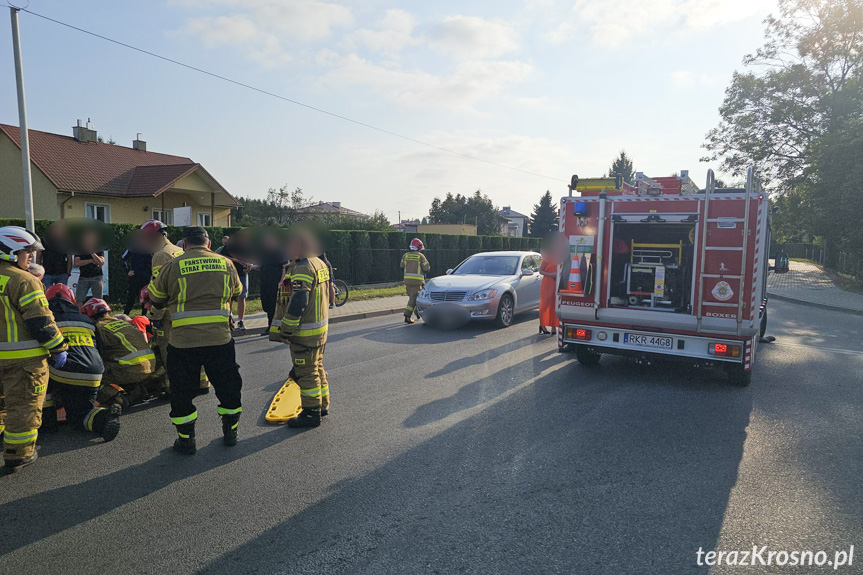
x=652, y=265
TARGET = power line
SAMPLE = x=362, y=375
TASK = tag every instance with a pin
x=289, y=100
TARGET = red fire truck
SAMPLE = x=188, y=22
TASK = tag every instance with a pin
x=664, y=269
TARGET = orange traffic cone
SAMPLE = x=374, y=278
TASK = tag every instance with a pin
x=575, y=275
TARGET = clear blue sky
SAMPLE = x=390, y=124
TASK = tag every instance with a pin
x=549, y=86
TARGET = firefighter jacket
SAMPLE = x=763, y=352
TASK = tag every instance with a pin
x=27, y=327
x=307, y=313
x=162, y=256
x=84, y=365
x=197, y=288
x=415, y=265
x=124, y=346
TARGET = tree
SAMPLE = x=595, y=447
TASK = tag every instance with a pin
x=474, y=209
x=806, y=82
x=622, y=165
x=544, y=217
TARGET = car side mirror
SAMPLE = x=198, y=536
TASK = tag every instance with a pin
x=526, y=272
x=449, y=272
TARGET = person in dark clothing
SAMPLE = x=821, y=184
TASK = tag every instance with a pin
x=237, y=250
x=139, y=269
x=57, y=267
x=272, y=270
x=76, y=384
x=90, y=265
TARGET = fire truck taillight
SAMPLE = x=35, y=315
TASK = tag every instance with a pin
x=723, y=349
x=578, y=333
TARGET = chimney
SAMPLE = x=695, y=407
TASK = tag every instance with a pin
x=139, y=144
x=85, y=133
x=337, y=204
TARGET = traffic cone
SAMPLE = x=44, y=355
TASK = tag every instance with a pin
x=575, y=275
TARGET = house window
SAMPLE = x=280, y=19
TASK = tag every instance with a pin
x=205, y=219
x=101, y=212
x=166, y=217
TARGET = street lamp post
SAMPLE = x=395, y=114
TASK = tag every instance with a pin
x=22, y=123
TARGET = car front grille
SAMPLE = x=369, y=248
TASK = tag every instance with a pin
x=448, y=295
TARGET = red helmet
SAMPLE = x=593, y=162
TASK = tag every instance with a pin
x=62, y=291
x=95, y=306
x=153, y=226
x=145, y=294
x=417, y=244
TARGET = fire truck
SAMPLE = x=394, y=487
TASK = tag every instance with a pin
x=662, y=269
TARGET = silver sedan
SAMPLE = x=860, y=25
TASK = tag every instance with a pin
x=485, y=286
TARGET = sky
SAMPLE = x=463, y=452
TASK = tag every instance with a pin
x=552, y=87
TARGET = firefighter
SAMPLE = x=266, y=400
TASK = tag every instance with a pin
x=129, y=361
x=416, y=266
x=77, y=383
x=163, y=252
x=28, y=336
x=197, y=289
x=304, y=328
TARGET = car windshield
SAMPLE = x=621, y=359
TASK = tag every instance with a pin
x=488, y=266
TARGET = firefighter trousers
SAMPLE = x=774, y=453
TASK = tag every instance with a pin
x=413, y=292
x=78, y=401
x=184, y=369
x=23, y=382
x=160, y=348
x=310, y=375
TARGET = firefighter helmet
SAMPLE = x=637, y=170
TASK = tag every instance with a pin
x=62, y=291
x=13, y=239
x=145, y=294
x=153, y=226
x=95, y=306
x=417, y=244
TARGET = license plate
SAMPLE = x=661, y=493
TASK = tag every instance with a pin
x=648, y=340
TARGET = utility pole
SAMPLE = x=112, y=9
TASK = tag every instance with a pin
x=24, y=135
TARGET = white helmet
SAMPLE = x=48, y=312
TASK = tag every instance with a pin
x=13, y=239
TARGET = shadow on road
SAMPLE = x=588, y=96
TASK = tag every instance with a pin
x=576, y=472
x=65, y=507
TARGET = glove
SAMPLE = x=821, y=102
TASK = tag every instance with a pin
x=60, y=359
x=156, y=323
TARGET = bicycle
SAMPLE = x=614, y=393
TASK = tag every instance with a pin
x=341, y=289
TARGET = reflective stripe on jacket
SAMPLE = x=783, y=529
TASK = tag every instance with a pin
x=197, y=288
x=27, y=327
x=309, y=328
x=415, y=266
x=126, y=346
x=84, y=364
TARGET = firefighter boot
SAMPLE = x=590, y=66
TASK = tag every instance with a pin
x=309, y=417
x=13, y=465
x=185, y=442
x=229, y=428
x=408, y=319
x=111, y=426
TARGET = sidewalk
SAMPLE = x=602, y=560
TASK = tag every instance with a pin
x=807, y=284
x=256, y=323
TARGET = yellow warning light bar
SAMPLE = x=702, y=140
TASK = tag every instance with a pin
x=597, y=184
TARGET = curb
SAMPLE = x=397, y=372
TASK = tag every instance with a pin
x=818, y=305
x=342, y=318
x=367, y=314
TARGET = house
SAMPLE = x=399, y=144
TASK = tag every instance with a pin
x=80, y=176
x=513, y=224
x=332, y=209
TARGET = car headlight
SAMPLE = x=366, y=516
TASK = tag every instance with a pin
x=482, y=294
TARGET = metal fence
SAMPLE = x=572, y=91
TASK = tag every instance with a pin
x=850, y=264
x=806, y=251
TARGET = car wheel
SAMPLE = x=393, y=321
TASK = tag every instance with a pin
x=585, y=356
x=505, y=311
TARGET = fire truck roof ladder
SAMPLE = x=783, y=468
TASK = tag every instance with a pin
x=710, y=188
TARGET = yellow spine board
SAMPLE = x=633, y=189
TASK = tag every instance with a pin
x=286, y=404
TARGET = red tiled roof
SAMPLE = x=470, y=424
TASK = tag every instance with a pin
x=103, y=169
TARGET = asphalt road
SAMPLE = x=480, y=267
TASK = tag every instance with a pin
x=470, y=451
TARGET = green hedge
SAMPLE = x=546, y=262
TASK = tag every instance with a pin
x=361, y=257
